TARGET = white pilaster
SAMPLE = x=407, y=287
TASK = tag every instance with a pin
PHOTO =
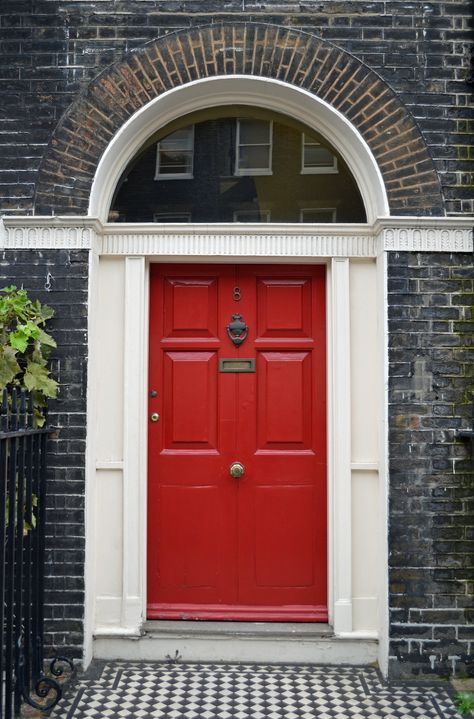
x=382, y=331
x=341, y=446
x=134, y=443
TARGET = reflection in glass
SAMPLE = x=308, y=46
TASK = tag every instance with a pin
x=237, y=164
x=254, y=147
x=174, y=155
x=316, y=157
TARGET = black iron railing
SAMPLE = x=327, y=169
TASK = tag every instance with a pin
x=22, y=560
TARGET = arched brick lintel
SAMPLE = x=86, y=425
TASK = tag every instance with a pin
x=268, y=51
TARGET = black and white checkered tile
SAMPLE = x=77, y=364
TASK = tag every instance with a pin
x=249, y=691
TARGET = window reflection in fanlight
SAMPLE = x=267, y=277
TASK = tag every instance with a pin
x=237, y=164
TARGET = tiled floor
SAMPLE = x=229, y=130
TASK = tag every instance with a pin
x=230, y=691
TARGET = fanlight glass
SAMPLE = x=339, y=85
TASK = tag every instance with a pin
x=237, y=164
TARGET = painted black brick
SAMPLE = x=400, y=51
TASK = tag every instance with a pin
x=60, y=279
x=50, y=49
x=431, y=360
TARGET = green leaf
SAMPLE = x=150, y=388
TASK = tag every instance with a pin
x=37, y=355
x=19, y=340
x=47, y=312
x=25, y=346
x=464, y=702
x=9, y=366
x=31, y=329
x=39, y=418
x=9, y=290
x=37, y=378
x=46, y=339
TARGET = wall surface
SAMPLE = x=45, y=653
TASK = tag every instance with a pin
x=431, y=475
x=50, y=51
x=60, y=279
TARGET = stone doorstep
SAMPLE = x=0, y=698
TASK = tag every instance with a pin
x=249, y=630
x=262, y=642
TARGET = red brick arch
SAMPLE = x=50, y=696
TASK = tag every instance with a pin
x=300, y=59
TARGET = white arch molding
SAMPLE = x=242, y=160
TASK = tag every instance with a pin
x=240, y=90
x=302, y=105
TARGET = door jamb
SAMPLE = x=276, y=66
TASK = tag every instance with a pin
x=135, y=438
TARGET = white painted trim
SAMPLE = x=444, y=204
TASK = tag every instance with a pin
x=134, y=442
x=426, y=237
x=48, y=233
x=383, y=584
x=365, y=466
x=89, y=492
x=243, y=90
x=359, y=634
x=112, y=631
x=341, y=445
x=330, y=478
x=133, y=601
x=255, y=242
x=262, y=240
x=109, y=465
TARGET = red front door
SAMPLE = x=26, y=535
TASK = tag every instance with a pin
x=221, y=547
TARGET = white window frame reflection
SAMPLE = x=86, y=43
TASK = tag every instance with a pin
x=329, y=169
x=249, y=171
x=188, y=148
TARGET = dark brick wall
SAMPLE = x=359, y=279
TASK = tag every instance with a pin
x=50, y=49
x=59, y=278
x=431, y=323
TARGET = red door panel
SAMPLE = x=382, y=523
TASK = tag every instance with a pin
x=254, y=547
x=284, y=536
x=284, y=400
x=190, y=307
x=199, y=554
x=284, y=308
x=190, y=400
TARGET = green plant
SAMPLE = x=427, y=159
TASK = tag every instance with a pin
x=28, y=523
x=464, y=702
x=25, y=347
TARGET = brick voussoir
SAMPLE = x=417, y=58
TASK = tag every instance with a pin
x=262, y=50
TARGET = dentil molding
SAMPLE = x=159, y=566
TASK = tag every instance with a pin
x=392, y=234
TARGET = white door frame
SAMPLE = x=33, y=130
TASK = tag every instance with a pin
x=339, y=439
x=306, y=107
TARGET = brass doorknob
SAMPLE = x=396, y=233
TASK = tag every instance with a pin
x=154, y=417
x=237, y=470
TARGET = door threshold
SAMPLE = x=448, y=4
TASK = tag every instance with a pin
x=164, y=640
x=259, y=630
